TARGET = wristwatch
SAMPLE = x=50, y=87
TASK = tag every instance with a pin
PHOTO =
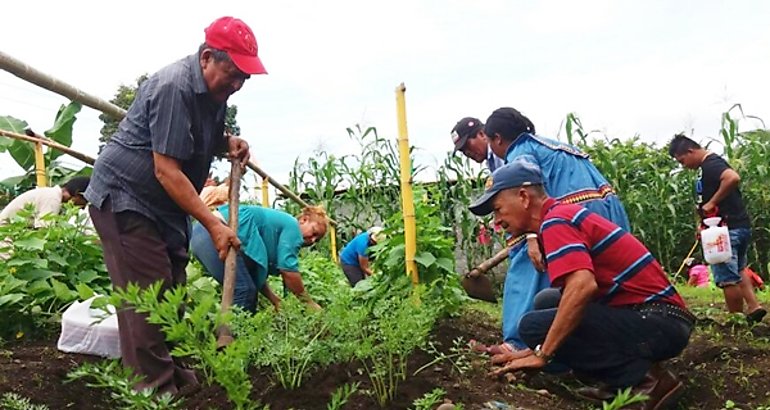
x=541, y=354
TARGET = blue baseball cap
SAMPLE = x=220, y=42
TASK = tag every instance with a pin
x=517, y=173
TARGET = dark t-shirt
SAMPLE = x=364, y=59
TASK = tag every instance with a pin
x=731, y=209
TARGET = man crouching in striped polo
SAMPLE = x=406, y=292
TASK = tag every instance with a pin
x=612, y=315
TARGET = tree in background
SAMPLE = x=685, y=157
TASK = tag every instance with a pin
x=123, y=99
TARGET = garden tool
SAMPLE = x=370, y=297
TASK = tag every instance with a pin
x=476, y=284
x=689, y=254
x=224, y=337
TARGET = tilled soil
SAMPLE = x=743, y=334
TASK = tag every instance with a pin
x=722, y=362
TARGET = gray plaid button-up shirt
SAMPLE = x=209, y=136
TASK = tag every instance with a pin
x=172, y=115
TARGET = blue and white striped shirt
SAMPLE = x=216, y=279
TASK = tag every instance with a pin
x=172, y=115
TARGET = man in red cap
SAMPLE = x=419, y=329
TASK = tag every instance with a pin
x=146, y=181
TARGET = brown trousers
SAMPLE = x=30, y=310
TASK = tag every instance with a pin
x=135, y=252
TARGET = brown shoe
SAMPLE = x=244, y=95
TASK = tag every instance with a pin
x=598, y=394
x=662, y=388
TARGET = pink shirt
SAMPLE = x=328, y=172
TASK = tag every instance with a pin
x=701, y=274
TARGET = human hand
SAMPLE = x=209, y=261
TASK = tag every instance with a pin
x=528, y=362
x=238, y=149
x=536, y=257
x=506, y=357
x=474, y=273
x=276, y=304
x=223, y=238
x=709, y=209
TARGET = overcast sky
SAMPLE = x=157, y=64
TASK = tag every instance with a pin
x=651, y=68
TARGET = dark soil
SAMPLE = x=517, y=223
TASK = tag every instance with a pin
x=723, y=362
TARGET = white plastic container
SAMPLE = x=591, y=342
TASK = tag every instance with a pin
x=716, y=242
x=89, y=331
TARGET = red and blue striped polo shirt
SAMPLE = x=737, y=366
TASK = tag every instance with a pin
x=575, y=238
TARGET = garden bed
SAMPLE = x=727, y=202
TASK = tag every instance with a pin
x=726, y=365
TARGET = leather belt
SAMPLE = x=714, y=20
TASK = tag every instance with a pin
x=667, y=309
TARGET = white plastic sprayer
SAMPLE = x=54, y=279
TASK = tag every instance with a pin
x=716, y=242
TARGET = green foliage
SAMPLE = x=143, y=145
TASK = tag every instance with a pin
x=434, y=255
x=396, y=328
x=323, y=278
x=120, y=381
x=43, y=270
x=23, y=152
x=659, y=196
x=292, y=346
x=231, y=124
x=341, y=396
x=623, y=399
x=430, y=399
x=193, y=335
x=12, y=401
x=359, y=190
x=459, y=357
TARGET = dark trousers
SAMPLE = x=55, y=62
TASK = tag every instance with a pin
x=353, y=273
x=134, y=252
x=614, y=345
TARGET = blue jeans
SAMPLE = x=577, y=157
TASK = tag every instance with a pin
x=247, y=280
x=612, y=344
x=729, y=273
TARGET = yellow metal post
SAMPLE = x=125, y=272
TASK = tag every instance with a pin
x=333, y=238
x=40, y=166
x=407, y=198
x=265, y=197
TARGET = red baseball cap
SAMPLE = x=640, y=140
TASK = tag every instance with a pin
x=234, y=37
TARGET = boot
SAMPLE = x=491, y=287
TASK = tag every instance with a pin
x=662, y=388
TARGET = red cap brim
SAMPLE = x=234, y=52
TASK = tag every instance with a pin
x=248, y=64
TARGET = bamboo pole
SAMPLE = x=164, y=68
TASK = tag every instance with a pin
x=333, y=239
x=407, y=198
x=265, y=196
x=53, y=144
x=25, y=72
x=40, y=176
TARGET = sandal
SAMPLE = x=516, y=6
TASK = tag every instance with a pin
x=756, y=316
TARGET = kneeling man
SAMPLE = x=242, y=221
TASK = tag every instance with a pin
x=612, y=314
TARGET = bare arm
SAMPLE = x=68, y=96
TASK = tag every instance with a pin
x=533, y=250
x=293, y=281
x=364, y=263
x=169, y=173
x=268, y=293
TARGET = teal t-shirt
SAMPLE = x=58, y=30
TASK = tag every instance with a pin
x=270, y=237
x=355, y=248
